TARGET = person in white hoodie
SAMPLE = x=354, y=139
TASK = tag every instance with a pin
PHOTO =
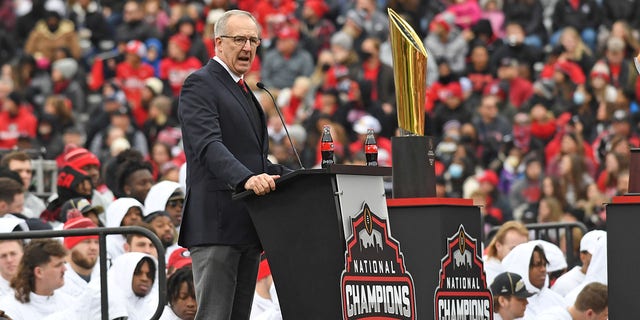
x=529, y=261
x=40, y=275
x=597, y=272
x=132, y=286
x=122, y=212
x=591, y=304
x=574, y=277
x=166, y=196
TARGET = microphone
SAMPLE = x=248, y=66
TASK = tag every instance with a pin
x=275, y=104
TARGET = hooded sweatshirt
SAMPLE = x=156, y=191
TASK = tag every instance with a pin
x=115, y=213
x=38, y=307
x=517, y=261
x=597, y=271
x=123, y=302
x=156, y=200
x=158, y=196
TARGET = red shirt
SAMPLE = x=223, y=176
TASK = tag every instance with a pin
x=11, y=128
x=176, y=72
x=132, y=80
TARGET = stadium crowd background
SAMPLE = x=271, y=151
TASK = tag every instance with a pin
x=533, y=103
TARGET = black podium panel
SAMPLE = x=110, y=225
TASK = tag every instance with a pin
x=300, y=226
x=304, y=245
x=422, y=227
x=622, y=259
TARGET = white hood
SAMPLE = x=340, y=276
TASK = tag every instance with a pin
x=597, y=271
x=118, y=209
x=121, y=294
x=517, y=261
x=554, y=254
x=158, y=196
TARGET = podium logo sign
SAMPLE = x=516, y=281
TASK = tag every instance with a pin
x=462, y=292
x=375, y=284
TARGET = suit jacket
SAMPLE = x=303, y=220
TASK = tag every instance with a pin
x=223, y=150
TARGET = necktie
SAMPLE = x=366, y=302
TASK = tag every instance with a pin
x=242, y=86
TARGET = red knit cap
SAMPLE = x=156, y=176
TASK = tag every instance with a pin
x=78, y=158
x=78, y=223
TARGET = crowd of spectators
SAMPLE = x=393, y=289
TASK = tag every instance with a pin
x=533, y=103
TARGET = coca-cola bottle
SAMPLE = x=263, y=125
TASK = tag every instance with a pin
x=371, y=149
x=326, y=147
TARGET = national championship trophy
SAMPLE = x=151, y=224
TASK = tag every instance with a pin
x=412, y=152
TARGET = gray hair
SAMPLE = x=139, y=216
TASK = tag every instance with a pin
x=221, y=24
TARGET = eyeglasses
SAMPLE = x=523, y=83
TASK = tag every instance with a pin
x=175, y=203
x=241, y=40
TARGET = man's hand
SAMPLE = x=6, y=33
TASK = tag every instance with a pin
x=262, y=183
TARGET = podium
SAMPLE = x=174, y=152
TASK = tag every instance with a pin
x=422, y=226
x=622, y=219
x=302, y=229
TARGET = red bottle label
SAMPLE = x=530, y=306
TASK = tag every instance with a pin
x=326, y=146
x=370, y=148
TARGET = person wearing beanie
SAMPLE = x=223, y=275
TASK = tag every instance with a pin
x=63, y=77
x=83, y=256
x=178, y=64
x=132, y=72
x=71, y=183
x=15, y=120
x=83, y=160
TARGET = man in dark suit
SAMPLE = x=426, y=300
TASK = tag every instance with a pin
x=226, y=144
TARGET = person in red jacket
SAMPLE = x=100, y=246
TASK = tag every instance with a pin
x=178, y=64
x=16, y=120
x=132, y=72
x=516, y=88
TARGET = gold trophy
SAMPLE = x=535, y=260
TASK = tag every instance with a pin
x=410, y=75
x=412, y=152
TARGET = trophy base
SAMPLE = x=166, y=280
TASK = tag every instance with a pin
x=413, y=169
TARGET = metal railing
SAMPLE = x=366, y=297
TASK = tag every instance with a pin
x=102, y=233
x=552, y=232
